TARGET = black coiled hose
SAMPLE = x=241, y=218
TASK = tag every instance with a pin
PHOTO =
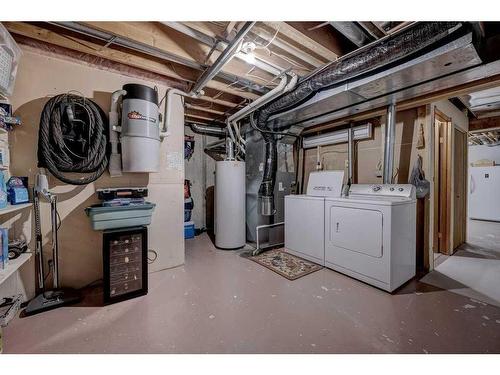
x=72, y=139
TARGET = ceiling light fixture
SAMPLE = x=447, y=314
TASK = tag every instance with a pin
x=248, y=54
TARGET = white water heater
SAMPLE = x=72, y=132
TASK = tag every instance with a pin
x=230, y=204
x=140, y=131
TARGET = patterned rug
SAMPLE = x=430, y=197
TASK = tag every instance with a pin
x=284, y=264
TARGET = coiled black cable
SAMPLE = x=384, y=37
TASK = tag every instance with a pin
x=72, y=138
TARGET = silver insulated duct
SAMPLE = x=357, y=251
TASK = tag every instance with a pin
x=415, y=55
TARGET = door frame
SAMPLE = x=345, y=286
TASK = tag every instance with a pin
x=442, y=189
x=465, y=190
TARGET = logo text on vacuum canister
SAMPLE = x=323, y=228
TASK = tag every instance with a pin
x=134, y=115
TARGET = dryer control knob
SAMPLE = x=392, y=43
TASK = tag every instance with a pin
x=401, y=189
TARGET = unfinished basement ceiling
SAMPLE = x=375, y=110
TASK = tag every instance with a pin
x=182, y=51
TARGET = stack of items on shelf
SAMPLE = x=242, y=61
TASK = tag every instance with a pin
x=120, y=208
x=123, y=215
x=4, y=247
x=7, y=120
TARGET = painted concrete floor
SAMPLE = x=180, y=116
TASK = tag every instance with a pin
x=474, y=269
x=219, y=302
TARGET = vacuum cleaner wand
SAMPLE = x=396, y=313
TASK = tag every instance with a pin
x=56, y=297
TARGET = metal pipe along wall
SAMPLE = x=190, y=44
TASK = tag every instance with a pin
x=389, y=143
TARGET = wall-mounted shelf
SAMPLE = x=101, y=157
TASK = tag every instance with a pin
x=13, y=266
x=13, y=208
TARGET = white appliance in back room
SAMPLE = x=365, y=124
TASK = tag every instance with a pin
x=484, y=193
x=305, y=216
x=370, y=234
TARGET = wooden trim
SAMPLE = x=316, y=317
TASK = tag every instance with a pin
x=462, y=190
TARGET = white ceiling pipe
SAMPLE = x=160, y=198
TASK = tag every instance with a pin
x=290, y=85
x=167, y=114
x=115, y=161
x=264, y=99
x=254, y=106
x=259, y=102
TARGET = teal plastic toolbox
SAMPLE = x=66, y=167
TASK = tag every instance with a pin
x=103, y=218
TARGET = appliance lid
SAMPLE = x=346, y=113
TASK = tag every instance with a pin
x=325, y=183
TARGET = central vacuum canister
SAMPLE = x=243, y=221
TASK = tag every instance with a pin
x=140, y=134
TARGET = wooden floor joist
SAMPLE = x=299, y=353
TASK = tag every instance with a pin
x=199, y=117
x=282, y=60
x=485, y=123
x=93, y=49
x=162, y=37
x=204, y=109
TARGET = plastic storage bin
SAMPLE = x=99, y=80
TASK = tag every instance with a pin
x=187, y=215
x=189, y=229
x=103, y=218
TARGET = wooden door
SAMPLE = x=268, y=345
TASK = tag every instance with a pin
x=442, y=182
x=459, y=187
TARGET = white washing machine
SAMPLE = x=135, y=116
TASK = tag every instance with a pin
x=370, y=235
x=305, y=216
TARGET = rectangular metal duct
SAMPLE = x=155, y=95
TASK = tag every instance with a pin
x=400, y=82
x=340, y=136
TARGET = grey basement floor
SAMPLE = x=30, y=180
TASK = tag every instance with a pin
x=219, y=302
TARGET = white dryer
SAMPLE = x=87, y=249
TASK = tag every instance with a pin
x=305, y=216
x=370, y=235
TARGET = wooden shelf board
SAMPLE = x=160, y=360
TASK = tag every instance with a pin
x=12, y=208
x=13, y=266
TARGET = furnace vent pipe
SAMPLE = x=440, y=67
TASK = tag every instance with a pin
x=390, y=130
x=208, y=130
x=350, y=157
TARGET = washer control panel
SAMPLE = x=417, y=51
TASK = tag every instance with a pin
x=389, y=190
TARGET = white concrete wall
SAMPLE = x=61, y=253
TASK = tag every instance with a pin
x=38, y=78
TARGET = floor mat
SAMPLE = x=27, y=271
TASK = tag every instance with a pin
x=286, y=265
